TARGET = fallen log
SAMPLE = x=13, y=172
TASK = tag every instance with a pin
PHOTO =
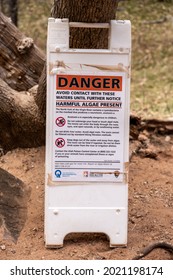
x=158, y=126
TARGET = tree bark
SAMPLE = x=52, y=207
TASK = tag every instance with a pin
x=13, y=205
x=97, y=11
x=21, y=62
x=22, y=114
x=13, y=7
x=21, y=123
x=10, y=9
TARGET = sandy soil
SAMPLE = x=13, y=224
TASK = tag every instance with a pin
x=150, y=208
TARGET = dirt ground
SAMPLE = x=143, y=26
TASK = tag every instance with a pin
x=150, y=207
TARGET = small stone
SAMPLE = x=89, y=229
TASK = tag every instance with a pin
x=142, y=138
x=149, y=152
x=3, y=247
x=167, y=138
x=13, y=251
x=139, y=216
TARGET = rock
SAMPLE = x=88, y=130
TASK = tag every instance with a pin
x=148, y=153
x=143, y=138
x=168, y=138
x=3, y=247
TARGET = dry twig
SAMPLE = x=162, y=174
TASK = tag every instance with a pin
x=163, y=245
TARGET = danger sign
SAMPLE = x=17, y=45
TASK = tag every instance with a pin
x=88, y=132
x=84, y=82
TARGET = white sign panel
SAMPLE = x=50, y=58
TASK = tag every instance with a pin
x=89, y=108
x=87, y=134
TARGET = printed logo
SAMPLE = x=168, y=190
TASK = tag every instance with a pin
x=58, y=173
x=85, y=173
x=60, y=142
x=60, y=121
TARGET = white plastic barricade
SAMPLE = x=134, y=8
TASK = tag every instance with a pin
x=87, y=134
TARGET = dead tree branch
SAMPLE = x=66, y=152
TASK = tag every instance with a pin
x=162, y=245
